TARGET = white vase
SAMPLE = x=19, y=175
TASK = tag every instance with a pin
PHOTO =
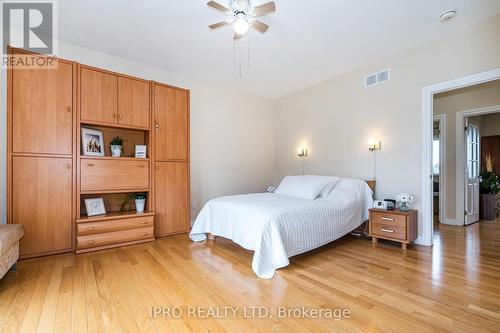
x=139, y=205
x=116, y=151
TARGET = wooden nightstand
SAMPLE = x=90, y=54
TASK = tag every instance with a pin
x=394, y=225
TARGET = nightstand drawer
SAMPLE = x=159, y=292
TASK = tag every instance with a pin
x=389, y=219
x=388, y=231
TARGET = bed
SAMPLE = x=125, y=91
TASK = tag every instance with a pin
x=277, y=226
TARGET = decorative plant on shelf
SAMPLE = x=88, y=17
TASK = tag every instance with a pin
x=489, y=186
x=140, y=202
x=116, y=146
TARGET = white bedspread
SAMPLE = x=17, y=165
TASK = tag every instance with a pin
x=277, y=227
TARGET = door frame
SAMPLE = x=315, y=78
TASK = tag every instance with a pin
x=442, y=167
x=461, y=161
x=427, y=126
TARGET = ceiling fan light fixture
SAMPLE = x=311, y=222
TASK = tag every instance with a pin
x=241, y=24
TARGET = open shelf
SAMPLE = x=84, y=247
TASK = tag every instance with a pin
x=113, y=216
x=131, y=137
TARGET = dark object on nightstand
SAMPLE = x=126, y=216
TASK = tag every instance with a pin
x=394, y=225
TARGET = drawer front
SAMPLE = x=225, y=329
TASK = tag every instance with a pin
x=389, y=219
x=83, y=242
x=388, y=231
x=114, y=225
x=105, y=175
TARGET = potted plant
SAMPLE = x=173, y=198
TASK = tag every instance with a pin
x=489, y=186
x=140, y=201
x=405, y=200
x=116, y=146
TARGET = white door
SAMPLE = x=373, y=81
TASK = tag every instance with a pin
x=472, y=179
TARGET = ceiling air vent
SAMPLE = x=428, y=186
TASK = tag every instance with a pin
x=377, y=78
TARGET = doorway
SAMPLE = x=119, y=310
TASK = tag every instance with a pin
x=429, y=92
x=439, y=168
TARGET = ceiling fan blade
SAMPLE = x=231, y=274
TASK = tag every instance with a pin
x=261, y=26
x=217, y=6
x=218, y=25
x=265, y=9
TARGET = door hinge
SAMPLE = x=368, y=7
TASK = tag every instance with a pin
x=465, y=213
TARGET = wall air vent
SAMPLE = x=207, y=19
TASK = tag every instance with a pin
x=377, y=78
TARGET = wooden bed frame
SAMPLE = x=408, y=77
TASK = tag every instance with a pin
x=371, y=184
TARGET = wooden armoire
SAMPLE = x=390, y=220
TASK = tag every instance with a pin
x=49, y=178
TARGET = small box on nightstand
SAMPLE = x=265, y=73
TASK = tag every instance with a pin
x=394, y=225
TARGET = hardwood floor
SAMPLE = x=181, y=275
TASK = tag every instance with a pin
x=452, y=287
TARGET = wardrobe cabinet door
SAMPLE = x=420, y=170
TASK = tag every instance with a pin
x=99, y=96
x=171, y=123
x=133, y=102
x=172, y=198
x=41, y=202
x=42, y=114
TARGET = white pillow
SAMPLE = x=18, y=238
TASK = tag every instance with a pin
x=330, y=183
x=302, y=187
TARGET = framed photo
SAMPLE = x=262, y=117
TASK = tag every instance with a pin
x=140, y=151
x=95, y=207
x=92, y=142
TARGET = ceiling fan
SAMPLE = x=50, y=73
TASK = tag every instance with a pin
x=243, y=15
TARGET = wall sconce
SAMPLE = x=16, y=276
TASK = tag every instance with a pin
x=302, y=152
x=374, y=144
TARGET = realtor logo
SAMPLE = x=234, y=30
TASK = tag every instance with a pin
x=28, y=25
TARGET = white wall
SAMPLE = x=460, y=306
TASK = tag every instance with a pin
x=231, y=132
x=335, y=118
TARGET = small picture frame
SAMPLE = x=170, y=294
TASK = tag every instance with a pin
x=95, y=206
x=92, y=142
x=140, y=151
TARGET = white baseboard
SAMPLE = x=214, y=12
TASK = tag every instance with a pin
x=449, y=221
x=422, y=241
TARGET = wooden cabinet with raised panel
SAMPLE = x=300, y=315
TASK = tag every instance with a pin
x=171, y=121
x=98, y=96
x=108, y=175
x=42, y=203
x=133, y=102
x=42, y=110
x=172, y=198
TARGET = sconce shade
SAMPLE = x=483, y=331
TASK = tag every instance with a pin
x=302, y=152
x=374, y=144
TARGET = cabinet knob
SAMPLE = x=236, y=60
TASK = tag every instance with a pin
x=114, y=115
x=157, y=167
x=91, y=241
x=69, y=109
x=157, y=126
x=388, y=230
x=120, y=116
x=90, y=164
x=144, y=222
x=68, y=166
x=144, y=233
x=91, y=228
x=388, y=218
x=141, y=166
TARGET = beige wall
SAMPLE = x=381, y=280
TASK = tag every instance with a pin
x=231, y=132
x=335, y=118
x=449, y=103
x=490, y=124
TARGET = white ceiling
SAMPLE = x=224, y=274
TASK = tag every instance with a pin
x=309, y=40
